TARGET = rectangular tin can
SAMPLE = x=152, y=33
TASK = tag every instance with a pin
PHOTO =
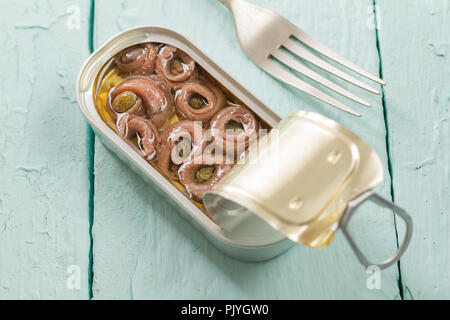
x=268, y=242
x=258, y=211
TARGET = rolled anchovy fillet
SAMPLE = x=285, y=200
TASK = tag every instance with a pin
x=199, y=100
x=129, y=126
x=175, y=67
x=139, y=95
x=137, y=60
x=233, y=130
x=200, y=175
x=180, y=142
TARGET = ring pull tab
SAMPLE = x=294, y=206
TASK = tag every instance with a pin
x=353, y=205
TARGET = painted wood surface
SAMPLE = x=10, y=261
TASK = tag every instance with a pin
x=44, y=189
x=143, y=249
x=415, y=53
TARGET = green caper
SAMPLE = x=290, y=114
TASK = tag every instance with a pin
x=234, y=127
x=183, y=147
x=124, y=101
x=176, y=67
x=197, y=102
x=204, y=174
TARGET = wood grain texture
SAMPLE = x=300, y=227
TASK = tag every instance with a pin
x=416, y=64
x=143, y=249
x=44, y=225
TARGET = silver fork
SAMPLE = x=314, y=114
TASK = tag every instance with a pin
x=263, y=33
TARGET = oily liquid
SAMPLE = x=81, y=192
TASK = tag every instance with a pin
x=109, y=77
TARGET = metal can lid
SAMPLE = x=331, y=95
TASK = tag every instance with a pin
x=299, y=179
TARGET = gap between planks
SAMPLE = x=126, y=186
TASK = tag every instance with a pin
x=389, y=162
x=91, y=156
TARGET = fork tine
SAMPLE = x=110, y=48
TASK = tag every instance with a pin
x=310, y=57
x=289, y=78
x=299, y=67
x=316, y=45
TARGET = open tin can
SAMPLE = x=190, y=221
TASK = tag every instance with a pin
x=258, y=210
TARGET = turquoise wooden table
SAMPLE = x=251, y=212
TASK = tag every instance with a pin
x=71, y=210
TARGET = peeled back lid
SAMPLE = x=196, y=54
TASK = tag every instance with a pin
x=298, y=178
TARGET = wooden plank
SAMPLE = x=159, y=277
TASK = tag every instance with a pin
x=44, y=225
x=143, y=249
x=415, y=47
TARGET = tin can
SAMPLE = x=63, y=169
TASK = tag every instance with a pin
x=245, y=224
